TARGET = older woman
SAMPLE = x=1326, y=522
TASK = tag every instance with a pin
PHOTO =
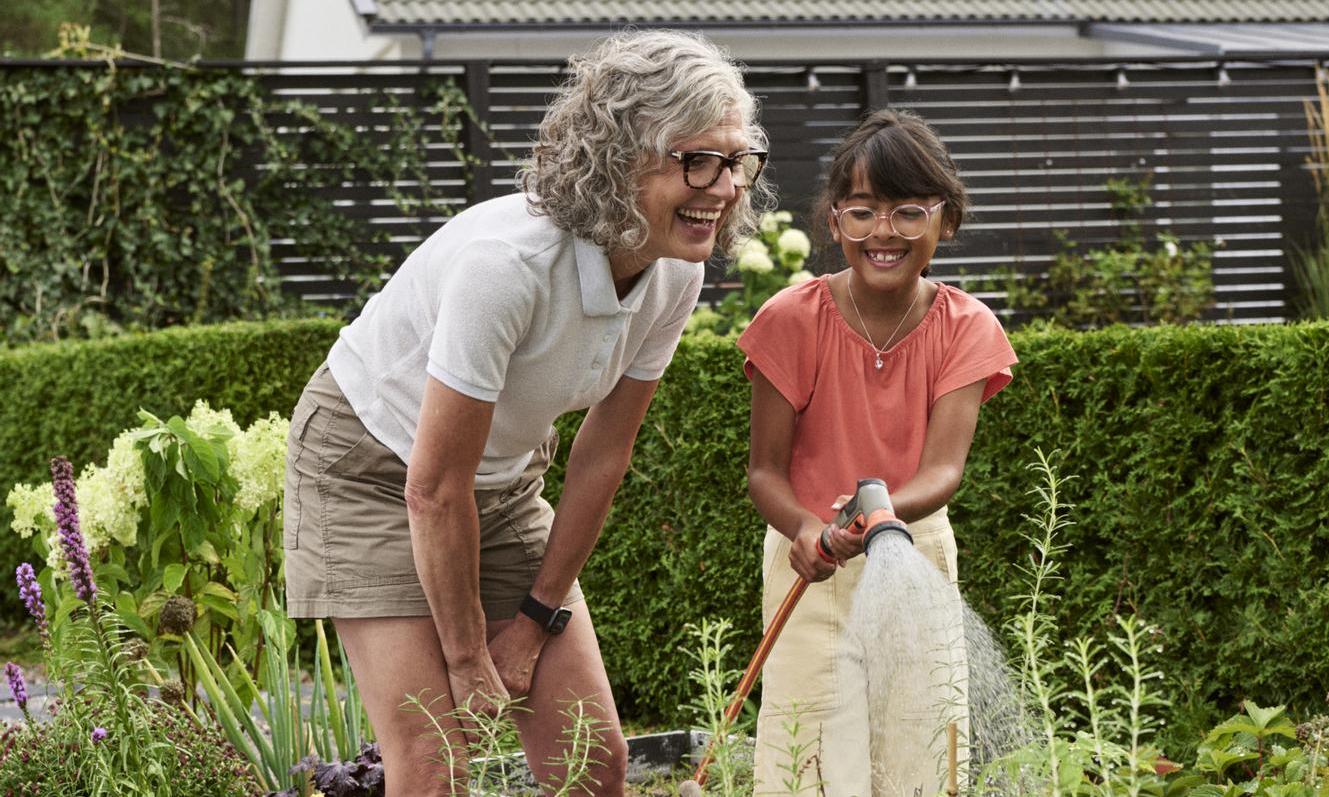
x=417, y=452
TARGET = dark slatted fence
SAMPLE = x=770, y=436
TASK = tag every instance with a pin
x=1224, y=144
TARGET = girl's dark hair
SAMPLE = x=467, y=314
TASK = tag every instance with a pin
x=901, y=156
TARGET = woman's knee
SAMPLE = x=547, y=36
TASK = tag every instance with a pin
x=424, y=764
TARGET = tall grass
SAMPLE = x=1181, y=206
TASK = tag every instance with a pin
x=1310, y=266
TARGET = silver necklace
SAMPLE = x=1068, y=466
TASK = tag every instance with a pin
x=849, y=283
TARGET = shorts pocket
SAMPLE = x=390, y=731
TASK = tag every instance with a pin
x=299, y=475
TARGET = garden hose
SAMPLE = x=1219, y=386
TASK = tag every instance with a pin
x=868, y=512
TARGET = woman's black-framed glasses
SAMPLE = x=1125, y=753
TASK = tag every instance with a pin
x=907, y=221
x=701, y=167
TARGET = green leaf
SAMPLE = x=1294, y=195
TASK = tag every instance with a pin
x=1218, y=761
x=1270, y=721
x=173, y=576
x=220, y=605
x=202, y=460
x=127, y=611
x=207, y=552
x=220, y=590
x=152, y=604
x=1262, y=716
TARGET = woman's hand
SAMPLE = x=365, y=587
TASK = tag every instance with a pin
x=803, y=555
x=514, y=651
x=476, y=686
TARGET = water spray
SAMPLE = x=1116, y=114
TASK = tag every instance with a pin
x=870, y=513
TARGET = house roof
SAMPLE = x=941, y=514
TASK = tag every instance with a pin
x=412, y=14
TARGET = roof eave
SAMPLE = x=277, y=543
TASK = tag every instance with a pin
x=472, y=27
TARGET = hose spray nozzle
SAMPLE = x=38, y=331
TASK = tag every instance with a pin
x=868, y=512
x=882, y=526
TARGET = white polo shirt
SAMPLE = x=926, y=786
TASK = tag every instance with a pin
x=504, y=307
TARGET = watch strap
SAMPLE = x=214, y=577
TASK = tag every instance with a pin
x=552, y=620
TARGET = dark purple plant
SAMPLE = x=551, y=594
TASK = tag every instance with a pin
x=362, y=777
x=71, y=539
x=17, y=686
x=31, y=594
x=98, y=735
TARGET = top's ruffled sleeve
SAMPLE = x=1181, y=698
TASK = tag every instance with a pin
x=978, y=349
x=781, y=342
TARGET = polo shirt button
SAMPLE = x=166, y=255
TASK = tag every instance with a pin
x=608, y=337
x=597, y=364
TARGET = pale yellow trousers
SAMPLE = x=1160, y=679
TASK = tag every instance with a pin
x=816, y=731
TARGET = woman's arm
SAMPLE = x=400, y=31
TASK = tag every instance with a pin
x=596, y=465
x=445, y=533
x=770, y=447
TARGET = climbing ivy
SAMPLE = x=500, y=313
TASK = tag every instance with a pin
x=142, y=197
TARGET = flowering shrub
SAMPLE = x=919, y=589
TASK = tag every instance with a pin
x=1129, y=281
x=180, y=528
x=106, y=737
x=766, y=263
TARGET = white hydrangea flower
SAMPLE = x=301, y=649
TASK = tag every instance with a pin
x=768, y=223
x=106, y=510
x=258, y=461
x=795, y=241
x=752, y=255
x=34, y=508
x=756, y=262
x=784, y=217
x=55, y=557
x=204, y=420
x=1171, y=248
x=802, y=275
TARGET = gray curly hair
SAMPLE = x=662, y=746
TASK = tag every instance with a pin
x=623, y=106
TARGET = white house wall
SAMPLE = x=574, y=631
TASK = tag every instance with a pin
x=318, y=30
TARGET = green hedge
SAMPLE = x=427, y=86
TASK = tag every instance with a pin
x=1200, y=475
x=1198, y=457
x=73, y=398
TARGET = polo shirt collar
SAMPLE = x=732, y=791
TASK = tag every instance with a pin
x=598, y=297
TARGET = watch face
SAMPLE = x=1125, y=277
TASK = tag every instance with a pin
x=559, y=621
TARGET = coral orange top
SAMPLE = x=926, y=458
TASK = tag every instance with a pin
x=855, y=421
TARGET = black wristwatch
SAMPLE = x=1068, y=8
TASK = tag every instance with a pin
x=553, y=621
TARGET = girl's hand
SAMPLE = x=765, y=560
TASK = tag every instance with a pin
x=840, y=502
x=805, y=559
x=844, y=544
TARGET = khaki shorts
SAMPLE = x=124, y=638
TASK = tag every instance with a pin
x=346, y=535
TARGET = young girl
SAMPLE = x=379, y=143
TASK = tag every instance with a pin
x=873, y=371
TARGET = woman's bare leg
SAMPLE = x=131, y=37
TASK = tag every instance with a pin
x=393, y=657
x=570, y=670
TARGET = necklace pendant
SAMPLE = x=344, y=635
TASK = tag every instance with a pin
x=878, y=363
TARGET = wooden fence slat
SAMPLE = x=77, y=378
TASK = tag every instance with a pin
x=1226, y=162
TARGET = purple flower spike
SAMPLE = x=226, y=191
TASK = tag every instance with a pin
x=31, y=594
x=98, y=734
x=16, y=685
x=71, y=539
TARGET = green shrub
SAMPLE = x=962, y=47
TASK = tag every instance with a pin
x=1200, y=480
x=1201, y=486
x=73, y=398
x=1128, y=281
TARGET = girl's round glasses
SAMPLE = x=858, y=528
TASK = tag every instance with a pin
x=701, y=168
x=906, y=221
